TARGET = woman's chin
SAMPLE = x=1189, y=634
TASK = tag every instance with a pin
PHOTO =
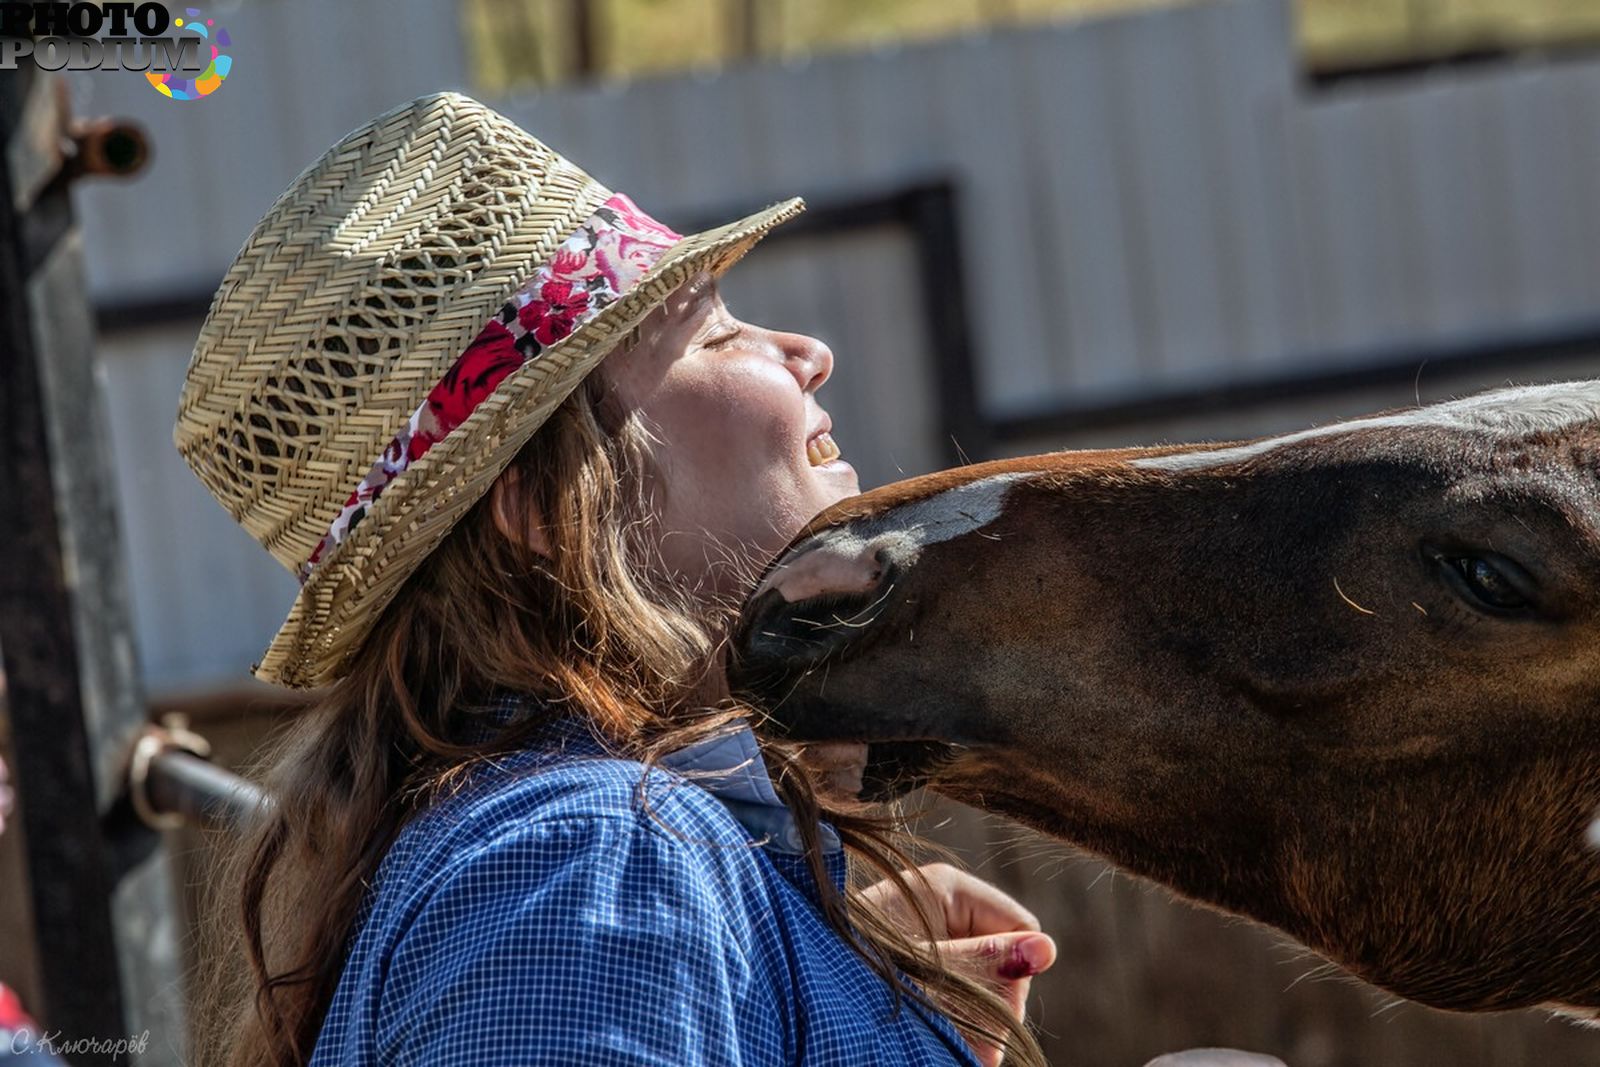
x=840, y=478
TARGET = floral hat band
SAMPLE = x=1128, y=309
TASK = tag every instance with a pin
x=604, y=258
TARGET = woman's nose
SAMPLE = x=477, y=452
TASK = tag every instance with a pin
x=808, y=359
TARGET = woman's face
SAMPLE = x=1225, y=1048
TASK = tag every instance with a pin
x=746, y=454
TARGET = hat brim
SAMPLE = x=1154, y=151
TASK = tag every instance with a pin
x=350, y=587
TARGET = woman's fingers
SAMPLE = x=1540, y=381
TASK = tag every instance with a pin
x=1000, y=959
x=1007, y=963
x=973, y=907
x=960, y=904
x=981, y=932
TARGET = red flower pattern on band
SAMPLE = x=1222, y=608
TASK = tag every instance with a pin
x=488, y=359
x=553, y=315
x=599, y=262
x=567, y=263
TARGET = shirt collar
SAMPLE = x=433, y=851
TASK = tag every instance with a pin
x=728, y=766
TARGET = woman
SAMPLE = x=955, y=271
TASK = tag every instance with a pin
x=525, y=463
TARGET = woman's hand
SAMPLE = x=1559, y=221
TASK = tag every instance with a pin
x=981, y=930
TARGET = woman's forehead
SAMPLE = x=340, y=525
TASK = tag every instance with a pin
x=685, y=306
x=692, y=295
x=689, y=302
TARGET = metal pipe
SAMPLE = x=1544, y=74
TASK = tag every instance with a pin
x=199, y=792
x=107, y=148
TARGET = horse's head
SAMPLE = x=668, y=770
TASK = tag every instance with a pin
x=1344, y=681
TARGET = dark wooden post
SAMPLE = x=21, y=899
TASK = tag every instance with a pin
x=933, y=214
x=585, y=61
x=106, y=947
x=742, y=19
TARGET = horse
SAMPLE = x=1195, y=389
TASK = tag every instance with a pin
x=1344, y=682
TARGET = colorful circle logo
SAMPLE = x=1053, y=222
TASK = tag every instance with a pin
x=176, y=84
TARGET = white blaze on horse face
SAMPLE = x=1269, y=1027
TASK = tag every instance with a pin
x=1507, y=413
x=851, y=558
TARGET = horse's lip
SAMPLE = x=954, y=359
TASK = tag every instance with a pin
x=895, y=768
x=842, y=764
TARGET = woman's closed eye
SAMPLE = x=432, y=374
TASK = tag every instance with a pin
x=722, y=337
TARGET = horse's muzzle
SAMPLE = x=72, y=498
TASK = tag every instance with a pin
x=815, y=607
x=826, y=600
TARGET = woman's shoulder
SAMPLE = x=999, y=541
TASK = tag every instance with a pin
x=535, y=798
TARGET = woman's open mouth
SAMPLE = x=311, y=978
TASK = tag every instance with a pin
x=821, y=449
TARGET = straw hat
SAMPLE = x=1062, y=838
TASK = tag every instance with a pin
x=406, y=315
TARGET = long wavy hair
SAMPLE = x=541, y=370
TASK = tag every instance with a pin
x=597, y=627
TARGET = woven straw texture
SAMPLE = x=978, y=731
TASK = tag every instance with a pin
x=349, y=300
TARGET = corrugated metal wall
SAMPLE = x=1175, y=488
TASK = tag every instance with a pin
x=1145, y=201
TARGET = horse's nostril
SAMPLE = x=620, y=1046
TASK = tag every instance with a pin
x=768, y=635
x=764, y=647
x=776, y=633
x=759, y=616
x=880, y=563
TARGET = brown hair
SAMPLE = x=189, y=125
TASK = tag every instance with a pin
x=593, y=627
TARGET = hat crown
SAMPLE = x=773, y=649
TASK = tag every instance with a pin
x=353, y=295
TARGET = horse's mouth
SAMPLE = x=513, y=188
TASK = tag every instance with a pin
x=877, y=771
x=841, y=765
x=895, y=768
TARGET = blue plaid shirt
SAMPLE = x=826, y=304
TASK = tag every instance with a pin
x=541, y=915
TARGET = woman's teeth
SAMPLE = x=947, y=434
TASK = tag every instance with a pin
x=821, y=449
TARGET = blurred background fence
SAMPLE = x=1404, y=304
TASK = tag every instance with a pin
x=1032, y=228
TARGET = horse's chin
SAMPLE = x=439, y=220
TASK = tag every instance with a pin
x=895, y=768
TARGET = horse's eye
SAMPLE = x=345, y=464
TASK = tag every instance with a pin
x=1489, y=582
